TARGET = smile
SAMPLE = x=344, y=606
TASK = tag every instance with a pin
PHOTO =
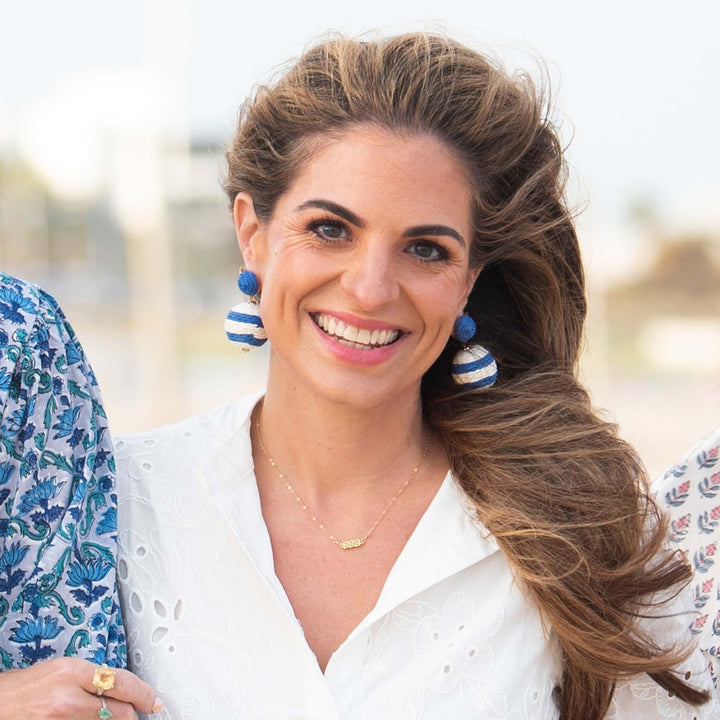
x=358, y=338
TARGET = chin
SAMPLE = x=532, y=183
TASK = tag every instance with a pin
x=368, y=395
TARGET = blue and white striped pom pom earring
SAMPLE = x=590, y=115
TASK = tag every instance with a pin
x=243, y=323
x=473, y=366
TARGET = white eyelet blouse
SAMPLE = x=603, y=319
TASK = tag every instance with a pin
x=211, y=628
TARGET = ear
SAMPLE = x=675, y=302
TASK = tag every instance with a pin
x=472, y=276
x=248, y=231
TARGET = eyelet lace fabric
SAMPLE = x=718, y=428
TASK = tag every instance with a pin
x=210, y=627
x=58, y=511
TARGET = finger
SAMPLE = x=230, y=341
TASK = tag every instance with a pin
x=120, y=710
x=127, y=687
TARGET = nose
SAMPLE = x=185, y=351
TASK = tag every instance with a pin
x=371, y=277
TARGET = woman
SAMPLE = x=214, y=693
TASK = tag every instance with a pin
x=371, y=539
x=59, y=615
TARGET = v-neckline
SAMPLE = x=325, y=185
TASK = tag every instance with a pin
x=447, y=539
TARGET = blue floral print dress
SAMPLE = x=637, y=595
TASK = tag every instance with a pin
x=58, y=508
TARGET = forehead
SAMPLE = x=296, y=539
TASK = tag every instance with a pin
x=370, y=166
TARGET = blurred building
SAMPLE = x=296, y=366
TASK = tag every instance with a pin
x=662, y=347
x=84, y=251
x=667, y=321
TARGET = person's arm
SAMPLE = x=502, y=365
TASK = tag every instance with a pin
x=687, y=493
x=59, y=610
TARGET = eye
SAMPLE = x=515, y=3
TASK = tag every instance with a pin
x=428, y=251
x=329, y=229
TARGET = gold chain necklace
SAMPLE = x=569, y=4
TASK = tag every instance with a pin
x=355, y=542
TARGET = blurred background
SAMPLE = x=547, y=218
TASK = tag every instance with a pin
x=113, y=119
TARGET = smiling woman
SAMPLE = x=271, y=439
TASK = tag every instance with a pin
x=369, y=538
x=342, y=258
x=376, y=537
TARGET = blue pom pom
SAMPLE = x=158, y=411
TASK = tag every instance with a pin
x=464, y=328
x=248, y=282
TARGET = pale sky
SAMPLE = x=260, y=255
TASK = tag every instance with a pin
x=635, y=83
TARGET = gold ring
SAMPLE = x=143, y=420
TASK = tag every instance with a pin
x=103, y=679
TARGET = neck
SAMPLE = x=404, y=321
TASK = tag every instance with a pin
x=332, y=448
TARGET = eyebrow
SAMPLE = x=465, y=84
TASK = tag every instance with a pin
x=417, y=231
x=332, y=207
x=435, y=231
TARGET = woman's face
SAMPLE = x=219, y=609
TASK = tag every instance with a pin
x=364, y=264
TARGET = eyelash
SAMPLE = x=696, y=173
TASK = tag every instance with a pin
x=315, y=226
x=442, y=253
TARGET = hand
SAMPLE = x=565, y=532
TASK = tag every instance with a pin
x=62, y=689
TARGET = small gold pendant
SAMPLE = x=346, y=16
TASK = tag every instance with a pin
x=349, y=544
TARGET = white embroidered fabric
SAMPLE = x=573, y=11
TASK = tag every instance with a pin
x=210, y=627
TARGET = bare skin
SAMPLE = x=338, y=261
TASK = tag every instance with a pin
x=61, y=689
x=331, y=590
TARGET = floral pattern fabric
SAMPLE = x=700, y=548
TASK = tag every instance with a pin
x=690, y=492
x=58, y=508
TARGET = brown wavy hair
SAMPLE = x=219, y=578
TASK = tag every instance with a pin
x=566, y=499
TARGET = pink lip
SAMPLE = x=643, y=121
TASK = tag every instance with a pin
x=352, y=355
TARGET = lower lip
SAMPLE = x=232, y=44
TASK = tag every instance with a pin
x=352, y=355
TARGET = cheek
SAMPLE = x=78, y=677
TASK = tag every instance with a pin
x=289, y=278
x=446, y=299
x=438, y=314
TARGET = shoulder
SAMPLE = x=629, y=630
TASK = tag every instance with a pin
x=200, y=433
x=21, y=300
x=49, y=398
x=57, y=493
x=175, y=452
x=35, y=334
x=24, y=306
x=689, y=492
x=701, y=461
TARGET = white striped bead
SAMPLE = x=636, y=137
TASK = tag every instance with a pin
x=474, y=367
x=243, y=325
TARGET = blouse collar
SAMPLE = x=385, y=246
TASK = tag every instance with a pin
x=447, y=539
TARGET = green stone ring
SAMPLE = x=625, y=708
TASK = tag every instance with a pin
x=103, y=712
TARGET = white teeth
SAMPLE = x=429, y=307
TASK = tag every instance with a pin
x=361, y=338
x=356, y=345
x=351, y=333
